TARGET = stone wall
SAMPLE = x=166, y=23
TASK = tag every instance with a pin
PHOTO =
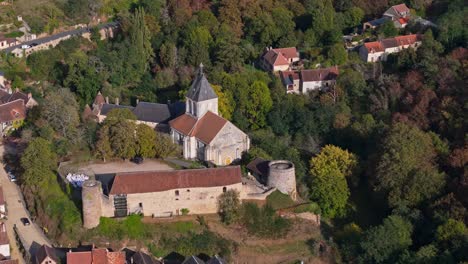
x=167, y=203
x=228, y=145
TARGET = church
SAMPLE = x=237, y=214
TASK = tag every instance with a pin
x=202, y=133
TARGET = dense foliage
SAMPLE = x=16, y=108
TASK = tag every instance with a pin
x=403, y=120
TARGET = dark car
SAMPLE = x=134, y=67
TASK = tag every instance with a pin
x=137, y=160
x=25, y=221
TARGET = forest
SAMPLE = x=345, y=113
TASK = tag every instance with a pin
x=384, y=154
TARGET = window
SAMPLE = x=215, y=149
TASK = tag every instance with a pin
x=224, y=189
x=188, y=190
x=141, y=205
x=177, y=193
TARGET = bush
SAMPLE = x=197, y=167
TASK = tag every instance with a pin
x=278, y=200
x=310, y=207
x=184, y=211
x=263, y=222
x=228, y=206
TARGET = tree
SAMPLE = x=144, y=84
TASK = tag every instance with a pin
x=258, y=105
x=406, y=169
x=146, y=141
x=387, y=30
x=226, y=103
x=38, y=160
x=60, y=110
x=103, y=146
x=228, y=206
x=337, y=54
x=451, y=229
x=381, y=242
x=165, y=147
x=329, y=187
x=198, y=43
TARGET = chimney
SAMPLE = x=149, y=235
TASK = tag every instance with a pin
x=117, y=101
x=107, y=99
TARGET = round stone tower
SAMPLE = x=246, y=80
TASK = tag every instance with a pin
x=91, y=196
x=281, y=174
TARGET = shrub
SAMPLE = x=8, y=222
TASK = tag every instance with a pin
x=228, y=206
x=184, y=211
x=263, y=221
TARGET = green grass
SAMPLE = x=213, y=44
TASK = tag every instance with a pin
x=14, y=34
x=277, y=200
x=310, y=207
x=294, y=247
x=180, y=227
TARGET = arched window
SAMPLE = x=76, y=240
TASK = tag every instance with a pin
x=177, y=193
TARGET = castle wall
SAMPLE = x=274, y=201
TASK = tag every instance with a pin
x=166, y=203
x=91, y=197
x=282, y=176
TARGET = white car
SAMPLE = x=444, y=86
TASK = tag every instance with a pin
x=11, y=177
x=25, y=46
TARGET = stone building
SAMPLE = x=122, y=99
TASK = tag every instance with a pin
x=281, y=59
x=202, y=133
x=379, y=50
x=304, y=81
x=162, y=193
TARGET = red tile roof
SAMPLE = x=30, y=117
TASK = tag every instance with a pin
x=3, y=235
x=274, y=58
x=403, y=21
x=320, y=74
x=288, y=53
x=401, y=8
x=99, y=100
x=79, y=257
x=158, y=181
x=2, y=198
x=99, y=255
x=205, y=129
x=208, y=127
x=375, y=46
x=380, y=46
x=15, y=110
x=291, y=75
x=115, y=258
x=407, y=40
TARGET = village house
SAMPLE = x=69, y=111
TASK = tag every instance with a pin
x=154, y=115
x=96, y=256
x=7, y=42
x=399, y=14
x=305, y=81
x=281, y=59
x=46, y=255
x=4, y=242
x=202, y=133
x=379, y=50
x=13, y=108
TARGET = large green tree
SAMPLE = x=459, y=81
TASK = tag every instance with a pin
x=60, y=110
x=146, y=141
x=38, y=160
x=329, y=187
x=406, y=170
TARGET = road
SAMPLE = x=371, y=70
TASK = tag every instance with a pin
x=32, y=234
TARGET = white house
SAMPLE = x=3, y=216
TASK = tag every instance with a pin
x=399, y=14
x=379, y=50
x=305, y=81
x=279, y=59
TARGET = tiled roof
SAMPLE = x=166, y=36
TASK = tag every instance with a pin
x=258, y=166
x=208, y=127
x=403, y=21
x=158, y=113
x=374, y=46
x=401, y=8
x=316, y=75
x=99, y=255
x=9, y=261
x=288, y=53
x=79, y=257
x=275, y=58
x=407, y=40
x=205, y=129
x=6, y=98
x=158, y=181
x=380, y=46
x=289, y=77
x=201, y=89
x=2, y=198
x=389, y=43
x=115, y=258
x=99, y=100
x=3, y=234
x=15, y=110
x=184, y=124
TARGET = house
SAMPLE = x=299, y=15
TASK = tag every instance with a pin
x=7, y=42
x=379, y=50
x=46, y=255
x=154, y=115
x=281, y=59
x=4, y=241
x=7, y=96
x=11, y=115
x=202, y=133
x=399, y=14
x=96, y=256
x=2, y=204
x=305, y=81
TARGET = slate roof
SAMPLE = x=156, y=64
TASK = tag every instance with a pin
x=45, y=251
x=158, y=113
x=216, y=260
x=158, y=181
x=193, y=260
x=378, y=22
x=15, y=110
x=143, y=258
x=204, y=129
x=317, y=75
x=201, y=89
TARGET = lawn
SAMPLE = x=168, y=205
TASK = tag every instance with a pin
x=277, y=200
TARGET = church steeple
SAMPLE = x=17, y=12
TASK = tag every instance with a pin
x=201, y=97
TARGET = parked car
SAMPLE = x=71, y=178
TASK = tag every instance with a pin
x=12, y=177
x=137, y=160
x=25, y=221
x=25, y=46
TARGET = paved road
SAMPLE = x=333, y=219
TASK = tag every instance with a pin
x=32, y=234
